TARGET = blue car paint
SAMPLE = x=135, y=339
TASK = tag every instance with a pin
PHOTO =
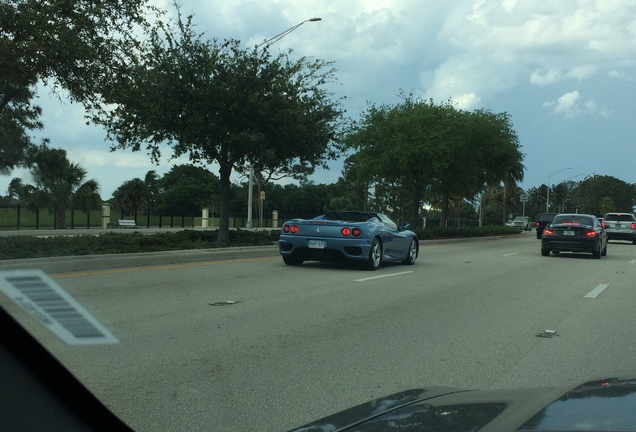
x=328, y=229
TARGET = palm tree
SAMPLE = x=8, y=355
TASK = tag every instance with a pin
x=58, y=184
x=132, y=194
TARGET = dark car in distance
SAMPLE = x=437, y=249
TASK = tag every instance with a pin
x=620, y=226
x=574, y=233
x=542, y=220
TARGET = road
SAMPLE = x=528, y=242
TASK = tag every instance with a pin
x=303, y=342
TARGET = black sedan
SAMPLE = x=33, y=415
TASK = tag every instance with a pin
x=574, y=233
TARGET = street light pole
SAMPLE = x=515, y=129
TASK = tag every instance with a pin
x=547, y=199
x=279, y=36
x=265, y=44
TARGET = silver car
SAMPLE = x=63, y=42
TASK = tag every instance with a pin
x=620, y=226
x=522, y=222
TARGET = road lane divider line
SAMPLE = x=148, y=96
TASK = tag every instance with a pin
x=161, y=267
x=511, y=254
x=597, y=291
x=383, y=276
x=633, y=261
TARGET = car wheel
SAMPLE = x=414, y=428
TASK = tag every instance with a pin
x=412, y=253
x=538, y=235
x=292, y=260
x=545, y=252
x=375, y=255
x=634, y=242
x=596, y=254
x=604, y=251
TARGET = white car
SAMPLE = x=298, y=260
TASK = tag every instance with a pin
x=522, y=222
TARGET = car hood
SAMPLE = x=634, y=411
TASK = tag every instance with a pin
x=599, y=405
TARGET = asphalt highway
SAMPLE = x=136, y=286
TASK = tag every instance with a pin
x=242, y=342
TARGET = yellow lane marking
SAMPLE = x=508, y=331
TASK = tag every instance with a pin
x=161, y=267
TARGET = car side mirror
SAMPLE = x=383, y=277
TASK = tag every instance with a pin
x=405, y=227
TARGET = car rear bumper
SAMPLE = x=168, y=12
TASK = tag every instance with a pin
x=349, y=248
x=573, y=245
x=621, y=235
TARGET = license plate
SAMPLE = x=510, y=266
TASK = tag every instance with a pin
x=618, y=225
x=568, y=233
x=316, y=244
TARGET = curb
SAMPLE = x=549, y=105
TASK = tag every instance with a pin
x=69, y=264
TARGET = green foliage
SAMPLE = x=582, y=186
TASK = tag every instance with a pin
x=186, y=189
x=464, y=232
x=68, y=44
x=600, y=194
x=217, y=102
x=132, y=194
x=58, y=184
x=19, y=247
x=434, y=152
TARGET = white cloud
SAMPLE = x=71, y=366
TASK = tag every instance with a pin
x=543, y=79
x=571, y=105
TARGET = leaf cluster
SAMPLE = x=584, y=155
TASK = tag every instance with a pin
x=20, y=247
x=67, y=44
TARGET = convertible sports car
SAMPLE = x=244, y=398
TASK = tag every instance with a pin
x=366, y=237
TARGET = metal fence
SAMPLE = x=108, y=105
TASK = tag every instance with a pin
x=18, y=217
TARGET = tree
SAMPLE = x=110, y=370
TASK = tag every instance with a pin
x=68, y=44
x=217, y=102
x=131, y=195
x=186, y=189
x=58, y=185
x=435, y=151
x=599, y=194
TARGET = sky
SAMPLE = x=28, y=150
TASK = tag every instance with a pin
x=565, y=71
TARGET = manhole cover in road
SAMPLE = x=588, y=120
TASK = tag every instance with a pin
x=223, y=303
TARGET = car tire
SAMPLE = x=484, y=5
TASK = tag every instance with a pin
x=292, y=260
x=538, y=235
x=411, y=254
x=375, y=255
x=604, y=251
x=596, y=254
x=545, y=252
x=634, y=242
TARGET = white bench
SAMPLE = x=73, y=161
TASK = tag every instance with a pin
x=126, y=223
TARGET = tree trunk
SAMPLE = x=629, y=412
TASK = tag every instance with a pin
x=224, y=208
x=416, y=198
x=444, y=216
x=60, y=218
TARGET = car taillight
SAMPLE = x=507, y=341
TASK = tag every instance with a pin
x=603, y=225
x=290, y=229
x=633, y=225
x=548, y=232
x=591, y=234
x=346, y=231
x=357, y=232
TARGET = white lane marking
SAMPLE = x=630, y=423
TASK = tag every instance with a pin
x=633, y=261
x=383, y=276
x=511, y=254
x=597, y=291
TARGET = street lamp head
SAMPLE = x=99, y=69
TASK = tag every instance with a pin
x=314, y=19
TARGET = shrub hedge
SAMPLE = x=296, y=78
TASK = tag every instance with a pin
x=21, y=246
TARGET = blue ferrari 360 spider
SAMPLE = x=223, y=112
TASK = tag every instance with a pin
x=367, y=237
